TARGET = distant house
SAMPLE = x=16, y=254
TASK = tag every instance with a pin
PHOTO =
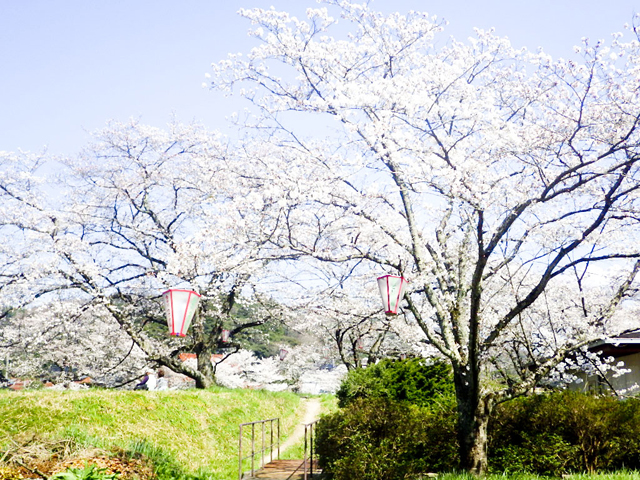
x=624, y=348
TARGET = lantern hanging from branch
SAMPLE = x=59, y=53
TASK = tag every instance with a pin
x=283, y=354
x=180, y=307
x=225, y=335
x=391, y=290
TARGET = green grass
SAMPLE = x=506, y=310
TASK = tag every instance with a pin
x=187, y=433
x=329, y=404
x=606, y=476
x=623, y=475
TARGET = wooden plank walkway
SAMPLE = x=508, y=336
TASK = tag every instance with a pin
x=284, y=470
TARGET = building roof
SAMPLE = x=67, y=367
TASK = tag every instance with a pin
x=622, y=345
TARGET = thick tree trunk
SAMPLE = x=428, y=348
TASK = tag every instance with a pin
x=205, y=367
x=473, y=419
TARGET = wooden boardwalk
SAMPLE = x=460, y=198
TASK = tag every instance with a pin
x=284, y=470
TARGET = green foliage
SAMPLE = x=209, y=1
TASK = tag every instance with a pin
x=89, y=472
x=165, y=465
x=265, y=340
x=565, y=432
x=382, y=439
x=397, y=419
x=619, y=475
x=413, y=380
x=185, y=434
x=550, y=435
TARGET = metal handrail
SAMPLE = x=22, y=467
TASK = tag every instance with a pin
x=264, y=447
x=308, y=447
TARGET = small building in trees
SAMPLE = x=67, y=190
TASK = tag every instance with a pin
x=624, y=348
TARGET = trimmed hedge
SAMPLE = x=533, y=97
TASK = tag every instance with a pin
x=413, y=380
x=382, y=439
x=397, y=420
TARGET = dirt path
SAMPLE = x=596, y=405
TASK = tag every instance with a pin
x=312, y=413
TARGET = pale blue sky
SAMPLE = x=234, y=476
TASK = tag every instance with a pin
x=68, y=66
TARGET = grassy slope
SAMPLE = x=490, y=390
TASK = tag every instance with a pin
x=198, y=429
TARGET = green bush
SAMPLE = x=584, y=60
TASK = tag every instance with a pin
x=89, y=472
x=565, y=432
x=398, y=418
x=413, y=380
x=382, y=439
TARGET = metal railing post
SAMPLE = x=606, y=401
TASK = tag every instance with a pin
x=264, y=446
x=253, y=445
x=311, y=447
x=262, y=450
x=308, y=449
x=240, y=455
x=271, y=440
x=304, y=459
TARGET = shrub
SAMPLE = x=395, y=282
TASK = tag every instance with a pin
x=399, y=418
x=413, y=380
x=565, y=432
x=382, y=439
x=89, y=472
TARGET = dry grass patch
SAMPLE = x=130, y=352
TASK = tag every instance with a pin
x=39, y=458
x=194, y=430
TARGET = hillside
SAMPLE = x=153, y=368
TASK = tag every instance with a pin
x=185, y=434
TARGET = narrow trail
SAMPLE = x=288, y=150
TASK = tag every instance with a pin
x=312, y=413
x=281, y=469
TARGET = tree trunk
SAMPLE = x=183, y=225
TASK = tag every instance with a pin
x=205, y=367
x=473, y=419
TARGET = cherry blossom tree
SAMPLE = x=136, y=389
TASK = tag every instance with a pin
x=246, y=370
x=502, y=183
x=139, y=211
x=344, y=316
x=64, y=341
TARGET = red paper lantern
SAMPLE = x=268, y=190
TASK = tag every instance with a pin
x=180, y=307
x=283, y=353
x=225, y=336
x=392, y=289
